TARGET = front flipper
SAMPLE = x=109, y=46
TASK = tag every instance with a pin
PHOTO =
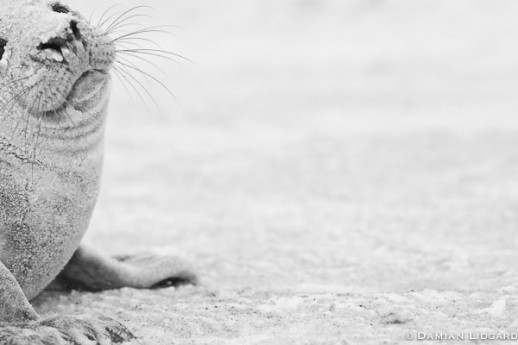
x=21, y=325
x=14, y=306
x=66, y=330
x=90, y=270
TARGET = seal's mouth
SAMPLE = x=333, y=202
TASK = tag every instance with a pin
x=85, y=93
x=87, y=86
x=72, y=76
x=75, y=68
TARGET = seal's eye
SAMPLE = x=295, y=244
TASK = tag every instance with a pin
x=3, y=43
x=57, y=7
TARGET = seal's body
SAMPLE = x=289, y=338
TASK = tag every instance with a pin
x=54, y=72
x=50, y=137
x=49, y=184
x=45, y=209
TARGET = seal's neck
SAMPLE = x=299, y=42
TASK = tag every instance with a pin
x=73, y=143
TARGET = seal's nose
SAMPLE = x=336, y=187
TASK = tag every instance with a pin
x=75, y=30
x=58, y=43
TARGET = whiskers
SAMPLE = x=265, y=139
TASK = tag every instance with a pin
x=13, y=96
x=138, y=55
x=28, y=102
x=24, y=134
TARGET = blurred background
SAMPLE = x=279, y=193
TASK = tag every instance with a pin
x=347, y=148
x=316, y=58
x=352, y=124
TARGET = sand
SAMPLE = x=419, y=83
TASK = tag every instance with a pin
x=339, y=173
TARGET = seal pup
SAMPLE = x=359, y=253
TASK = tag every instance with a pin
x=54, y=90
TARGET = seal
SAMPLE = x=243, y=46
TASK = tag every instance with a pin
x=54, y=93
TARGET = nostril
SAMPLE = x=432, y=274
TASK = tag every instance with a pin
x=75, y=29
x=54, y=43
x=3, y=43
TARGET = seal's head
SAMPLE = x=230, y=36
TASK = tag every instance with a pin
x=51, y=59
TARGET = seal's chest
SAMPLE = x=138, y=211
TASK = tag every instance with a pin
x=46, y=204
x=41, y=224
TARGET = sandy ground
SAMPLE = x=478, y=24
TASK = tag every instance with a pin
x=341, y=173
